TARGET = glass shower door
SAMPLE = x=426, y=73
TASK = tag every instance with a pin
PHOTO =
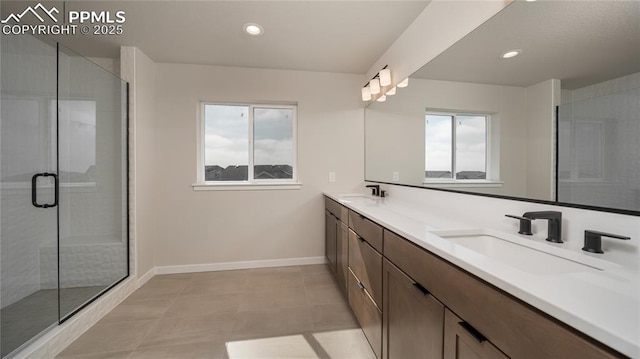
x=93, y=180
x=28, y=215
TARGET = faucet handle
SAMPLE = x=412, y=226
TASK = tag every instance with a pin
x=525, y=224
x=593, y=240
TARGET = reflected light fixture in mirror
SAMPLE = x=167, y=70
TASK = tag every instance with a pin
x=403, y=83
x=380, y=84
x=366, y=93
x=374, y=85
x=385, y=77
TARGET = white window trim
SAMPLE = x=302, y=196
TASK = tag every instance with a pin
x=250, y=184
x=490, y=173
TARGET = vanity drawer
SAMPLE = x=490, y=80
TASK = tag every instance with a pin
x=339, y=211
x=516, y=328
x=367, y=313
x=366, y=229
x=366, y=264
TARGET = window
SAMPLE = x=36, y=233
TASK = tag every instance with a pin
x=248, y=144
x=456, y=147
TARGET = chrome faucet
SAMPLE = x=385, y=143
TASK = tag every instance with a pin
x=555, y=223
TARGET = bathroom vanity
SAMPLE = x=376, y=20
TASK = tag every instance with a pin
x=420, y=289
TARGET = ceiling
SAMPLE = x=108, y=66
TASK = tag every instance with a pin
x=331, y=36
x=578, y=42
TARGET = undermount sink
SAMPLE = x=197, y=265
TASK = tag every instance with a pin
x=355, y=197
x=523, y=254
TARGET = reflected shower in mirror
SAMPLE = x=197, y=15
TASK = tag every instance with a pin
x=473, y=121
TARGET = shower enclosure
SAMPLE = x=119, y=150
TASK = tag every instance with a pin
x=63, y=186
x=598, y=147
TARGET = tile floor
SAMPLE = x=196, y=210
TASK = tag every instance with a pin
x=284, y=312
x=26, y=318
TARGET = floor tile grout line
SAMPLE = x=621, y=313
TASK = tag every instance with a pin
x=225, y=337
x=160, y=318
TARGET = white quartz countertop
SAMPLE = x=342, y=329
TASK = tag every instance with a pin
x=602, y=303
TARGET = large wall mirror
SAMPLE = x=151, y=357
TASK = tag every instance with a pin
x=558, y=122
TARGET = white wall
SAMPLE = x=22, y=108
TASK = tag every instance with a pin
x=139, y=71
x=206, y=227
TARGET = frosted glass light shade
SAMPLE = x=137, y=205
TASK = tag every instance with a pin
x=375, y=86
x=391, y=91
x=385, y=77
x=382, y=98
x=403, y=83
x=366, y=94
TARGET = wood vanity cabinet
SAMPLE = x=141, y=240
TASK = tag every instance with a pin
x=367, y=312
x=366, y=264
x=515, y=328
x=462, y=341
x=330, y=238
x=366, y=229
x=412, y=303
x=336, y=240
x=413, y=319
x=365, y=284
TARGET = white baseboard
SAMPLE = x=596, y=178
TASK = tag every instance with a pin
x=209, y=267
x=145, y=278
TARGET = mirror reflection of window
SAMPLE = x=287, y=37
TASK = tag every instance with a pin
x=455, y=146
x=438, y=146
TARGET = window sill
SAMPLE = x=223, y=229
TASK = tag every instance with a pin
x=463, y=184
x=246, y=186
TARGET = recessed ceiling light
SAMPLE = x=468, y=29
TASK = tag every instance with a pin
x=529, y=0
x=511, y=54
x=253, y=29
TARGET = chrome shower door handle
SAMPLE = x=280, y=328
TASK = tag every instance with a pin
x=34, y=190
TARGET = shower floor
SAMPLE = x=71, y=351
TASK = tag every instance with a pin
x=32, y=314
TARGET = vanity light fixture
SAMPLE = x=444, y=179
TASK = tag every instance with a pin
x=385, y=77
x=403, y=83
x=511, y=54
x=382, y=98
x=374, y=84
x=253, y=29
x=366, y=93
x=379, y=84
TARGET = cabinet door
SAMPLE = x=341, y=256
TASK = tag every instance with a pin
x=413, y=319
x=366, y=264
x=342, y=255
x=367, y=313
x=331, y=225
x=462, y=341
